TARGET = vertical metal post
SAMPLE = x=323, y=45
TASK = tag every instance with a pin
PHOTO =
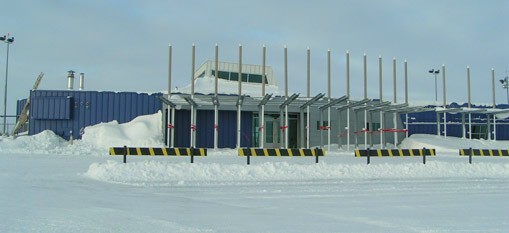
x=240, y=94
x=470, y=155
x=8, y=41
x=438, y=123
x=329, y=99
x=494, y=104
x=308, y=122
x=355, y=122
x=125, y=154
x=193, y=109
x=321, y=129
x=469, y=105
x=365, y=97
x=340, y=142
x=216, y=110
x=301, y=127
x=445, y=101
x=406, y=98
x=308, y=93
x=216, y=67
x=382, y=146
x=261, y=119
x=172, y=135
x=317, y=154
x=395, y=114
x=406, y=82
x=170, y=112
x=368, y=155
x=281, y=127
x=348, y=95
x=248, y=157
x=365, y=78
x=424, y=155
x=192, y=154
x=192, y=68
x=286, y=127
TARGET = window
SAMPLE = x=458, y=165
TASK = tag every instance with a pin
x=255, y=78
x=479, y=132
x=373, y=126
x=223, y=75
x=234, y=76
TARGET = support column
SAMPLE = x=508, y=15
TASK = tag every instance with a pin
x=286, y=127
x=469, y=105
x=193, y=120
x=261, y=118
x=381, y=100
x=494, y=104
x=348, y=102
x=171, y=111
x=216, y=110
x=239, y=109
x=329, y=99
x=365, y=97
x=308, y=95
x=395, y=100
x=445, y=101
x=406, y=98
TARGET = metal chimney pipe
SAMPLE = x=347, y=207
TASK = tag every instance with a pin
x=82, y=81
x=70, y=79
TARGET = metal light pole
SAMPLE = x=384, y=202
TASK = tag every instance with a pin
x=435, y=72
x=504, y=83
x=8, y=41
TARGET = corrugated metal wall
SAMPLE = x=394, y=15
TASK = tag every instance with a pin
x=227, y=131
x=64, y=111
x=425, y=123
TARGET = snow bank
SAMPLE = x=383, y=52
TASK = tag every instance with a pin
x=143, y=131
x=157, y=173
x=96, y=140
x=450, y=144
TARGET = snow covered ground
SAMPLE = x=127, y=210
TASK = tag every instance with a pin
x=49, y=185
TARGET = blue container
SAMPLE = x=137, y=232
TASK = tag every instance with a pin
x=65, y=112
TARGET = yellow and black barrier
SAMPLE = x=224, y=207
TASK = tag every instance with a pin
x=296, y=152
x=158, y=151
x=162, y=151
x=482, y=152
x=395, y=153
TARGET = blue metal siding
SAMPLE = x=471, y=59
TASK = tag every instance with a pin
x=227, y=134
x=205, y=128
x=19, y=106
x=227, y=131
x=88, y=108
x=51, y=108
x=182, y=126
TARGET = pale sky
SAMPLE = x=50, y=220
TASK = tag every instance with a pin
x=123, y=45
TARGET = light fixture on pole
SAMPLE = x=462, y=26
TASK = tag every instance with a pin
x=504, y=83
x=435, y=73
x=8, y=41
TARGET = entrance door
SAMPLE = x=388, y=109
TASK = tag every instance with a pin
x=272, y=132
